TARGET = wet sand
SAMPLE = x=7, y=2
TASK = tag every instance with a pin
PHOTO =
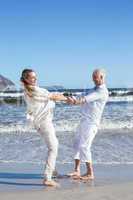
x=24, y=181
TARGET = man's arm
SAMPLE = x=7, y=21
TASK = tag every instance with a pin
x=93, y=96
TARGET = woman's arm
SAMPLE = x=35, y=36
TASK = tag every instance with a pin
x=57, y=97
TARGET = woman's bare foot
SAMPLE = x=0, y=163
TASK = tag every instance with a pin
x=50, y=183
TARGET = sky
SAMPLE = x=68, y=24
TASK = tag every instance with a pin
x=64, y=41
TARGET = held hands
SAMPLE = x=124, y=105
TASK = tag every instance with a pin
x=71, y=100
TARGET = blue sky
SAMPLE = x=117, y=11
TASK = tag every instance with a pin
x=64, y=41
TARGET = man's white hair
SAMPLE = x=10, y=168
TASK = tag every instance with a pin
x=101, y=71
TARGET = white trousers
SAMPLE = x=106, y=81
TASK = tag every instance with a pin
x=47, y=131
x=84, y=137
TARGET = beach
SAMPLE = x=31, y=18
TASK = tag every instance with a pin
x=66, y=91
x=23, y=154
x=24, y=181
x=115, y=192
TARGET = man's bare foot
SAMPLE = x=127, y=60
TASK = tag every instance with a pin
x=86, y=177
x=50, y=183
x=76, y=177
x=75, y=174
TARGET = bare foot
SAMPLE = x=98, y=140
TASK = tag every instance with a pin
x=75, y=175
x=87, y=177
x=50, y=183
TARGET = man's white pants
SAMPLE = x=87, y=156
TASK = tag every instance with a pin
x=47, y=131
x=84, y=137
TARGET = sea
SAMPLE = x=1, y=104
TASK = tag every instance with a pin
x=21, y=143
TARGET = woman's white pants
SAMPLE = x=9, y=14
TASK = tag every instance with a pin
x=47, y=131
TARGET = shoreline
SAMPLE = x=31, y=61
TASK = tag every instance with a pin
x=16, y=177
x=24, y=181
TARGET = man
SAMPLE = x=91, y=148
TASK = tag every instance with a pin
x=92, y=106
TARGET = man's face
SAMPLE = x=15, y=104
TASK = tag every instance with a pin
x=31, y=78
x=97, y=78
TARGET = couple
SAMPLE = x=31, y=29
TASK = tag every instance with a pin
x=40, y=104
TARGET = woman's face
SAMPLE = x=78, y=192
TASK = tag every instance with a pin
x=31, y=78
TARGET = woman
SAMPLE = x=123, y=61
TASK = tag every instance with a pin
x=40, y=104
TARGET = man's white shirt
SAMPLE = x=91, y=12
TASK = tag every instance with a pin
x=94, y=104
